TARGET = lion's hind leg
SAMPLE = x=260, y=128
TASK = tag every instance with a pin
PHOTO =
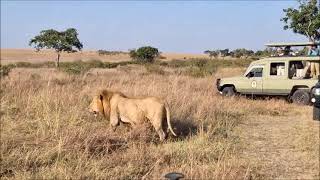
x=158, y=127
x=161, y=134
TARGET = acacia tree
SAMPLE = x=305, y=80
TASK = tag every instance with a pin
x=305, y=20
x=58, y=40
x=145, y=54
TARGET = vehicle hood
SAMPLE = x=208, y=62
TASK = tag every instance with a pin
x=232, y=79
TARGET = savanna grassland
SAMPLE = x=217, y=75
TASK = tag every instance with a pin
x=47, y=131
x=31, y=55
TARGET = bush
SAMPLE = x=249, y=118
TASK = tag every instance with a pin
x=77, y=67
x=145, y=54
x=201, y=68
x=5, y=69
x=80, y=67
x=96, y=64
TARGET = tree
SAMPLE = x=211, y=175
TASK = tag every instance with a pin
x=266, y=52
x=305, y=20
x=213, y=53
x=224, y=52
x=145, y=54
x=242, y=52
x=59, y=41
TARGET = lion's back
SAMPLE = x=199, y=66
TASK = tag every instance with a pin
x=148, y=105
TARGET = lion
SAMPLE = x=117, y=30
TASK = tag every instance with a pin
x=117, y=107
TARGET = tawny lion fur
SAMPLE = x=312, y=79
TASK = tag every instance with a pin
x=117, y=107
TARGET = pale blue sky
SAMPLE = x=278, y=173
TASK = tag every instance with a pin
x=172, y=26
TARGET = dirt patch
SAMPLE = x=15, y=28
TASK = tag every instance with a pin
x=281, y=147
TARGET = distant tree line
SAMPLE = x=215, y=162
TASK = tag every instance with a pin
x=237, y=53
x=102, y=52
x=247, y=53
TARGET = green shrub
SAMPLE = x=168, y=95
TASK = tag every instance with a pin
x=204, y=67
x=80, y=67
x=93, y=63
x=25, y=64
x=76, y=67
x=201, y=71
x=5, y=69
x=145, y=54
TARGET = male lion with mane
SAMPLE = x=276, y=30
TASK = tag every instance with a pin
x=117, y=107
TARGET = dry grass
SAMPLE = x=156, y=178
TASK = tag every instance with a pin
x=30, y=55
x=46, y=131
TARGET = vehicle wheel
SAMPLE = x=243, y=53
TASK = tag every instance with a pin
x=228, y=91
x=301, y=97
x=316, y=113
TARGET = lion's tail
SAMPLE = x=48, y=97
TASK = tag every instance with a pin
x=168, y=119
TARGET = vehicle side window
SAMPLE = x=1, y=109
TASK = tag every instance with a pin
x=277, y=69
x=296, y=70
x=255, y=72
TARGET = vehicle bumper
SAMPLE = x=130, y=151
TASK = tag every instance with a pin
x=316, y=101
x=316, y=113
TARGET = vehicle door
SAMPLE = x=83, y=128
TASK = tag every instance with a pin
x=253, y=82
x=276, y=79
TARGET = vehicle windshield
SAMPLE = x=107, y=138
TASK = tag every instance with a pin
x=254, y=71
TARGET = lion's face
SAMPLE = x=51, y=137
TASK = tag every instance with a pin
x=96, y=106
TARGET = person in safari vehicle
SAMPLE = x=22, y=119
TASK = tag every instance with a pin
x=314, y=66
x=314, y=51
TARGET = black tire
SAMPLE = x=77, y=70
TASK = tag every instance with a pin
x=228, y=91
x=316, y=113
x=301, y=97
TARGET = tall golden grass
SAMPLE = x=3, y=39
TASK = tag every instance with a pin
x=47, y=132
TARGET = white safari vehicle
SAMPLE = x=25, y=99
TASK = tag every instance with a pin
x=291, y=76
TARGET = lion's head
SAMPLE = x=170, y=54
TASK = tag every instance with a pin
x=96, y=106
x=101, y=103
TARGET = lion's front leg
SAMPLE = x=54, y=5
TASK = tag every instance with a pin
x=114, y=120
x=113, y=128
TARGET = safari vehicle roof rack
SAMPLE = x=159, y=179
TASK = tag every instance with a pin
x=292, y=44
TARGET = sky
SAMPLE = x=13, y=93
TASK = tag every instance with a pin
x=171, y=26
